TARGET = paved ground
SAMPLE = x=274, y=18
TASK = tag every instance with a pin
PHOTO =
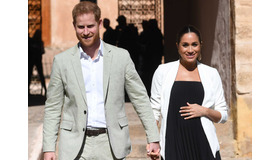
x=36, y=113
x=35, y=131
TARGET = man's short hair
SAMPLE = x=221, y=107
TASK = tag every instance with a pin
x=85, y=7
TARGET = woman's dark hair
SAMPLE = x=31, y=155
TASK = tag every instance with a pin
x=188, y=29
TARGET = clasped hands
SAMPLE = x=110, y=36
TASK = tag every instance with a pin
x=153, y=150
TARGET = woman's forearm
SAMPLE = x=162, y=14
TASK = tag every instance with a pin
x=214, y=115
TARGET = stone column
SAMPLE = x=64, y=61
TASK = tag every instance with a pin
x=243, y=61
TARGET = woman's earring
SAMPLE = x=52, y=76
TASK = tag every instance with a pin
x=199, y=57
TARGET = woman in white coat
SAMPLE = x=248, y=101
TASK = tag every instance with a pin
x=188, y=97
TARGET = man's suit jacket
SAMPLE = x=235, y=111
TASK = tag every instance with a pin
x=66, y=105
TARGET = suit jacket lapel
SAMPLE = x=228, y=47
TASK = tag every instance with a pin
x=76, y=64
x=106, y=68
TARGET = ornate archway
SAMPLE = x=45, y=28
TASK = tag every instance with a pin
x=138, y=10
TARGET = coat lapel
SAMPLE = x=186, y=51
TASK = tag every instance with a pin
x=106, y=68
x=76, y=64
x=168, y=83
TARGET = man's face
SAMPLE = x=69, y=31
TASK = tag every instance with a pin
x=87, y=29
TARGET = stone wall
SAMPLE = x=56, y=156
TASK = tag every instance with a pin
x=62, y=30
x=221, y=54
x=243, y=62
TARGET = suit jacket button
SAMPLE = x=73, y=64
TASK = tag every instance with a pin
x=83, y=129
x=85, y=112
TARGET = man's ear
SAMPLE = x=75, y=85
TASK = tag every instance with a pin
x=100, y=22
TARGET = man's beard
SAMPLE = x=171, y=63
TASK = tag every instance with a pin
x=87, y=42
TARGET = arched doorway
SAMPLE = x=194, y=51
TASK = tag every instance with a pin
x=212, y=18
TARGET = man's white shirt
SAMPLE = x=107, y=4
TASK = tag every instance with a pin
x=93, y=78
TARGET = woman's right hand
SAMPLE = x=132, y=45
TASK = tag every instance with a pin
x=153, y=150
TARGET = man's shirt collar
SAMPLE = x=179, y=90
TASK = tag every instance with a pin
x=84, y=54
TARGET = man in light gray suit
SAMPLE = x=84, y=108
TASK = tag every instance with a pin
x=85, y=98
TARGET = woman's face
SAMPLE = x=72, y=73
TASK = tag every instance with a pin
x=189, y=47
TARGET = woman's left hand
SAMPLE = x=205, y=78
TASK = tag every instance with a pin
x=192, y=111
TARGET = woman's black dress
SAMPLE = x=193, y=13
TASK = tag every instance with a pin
x=185, y=139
